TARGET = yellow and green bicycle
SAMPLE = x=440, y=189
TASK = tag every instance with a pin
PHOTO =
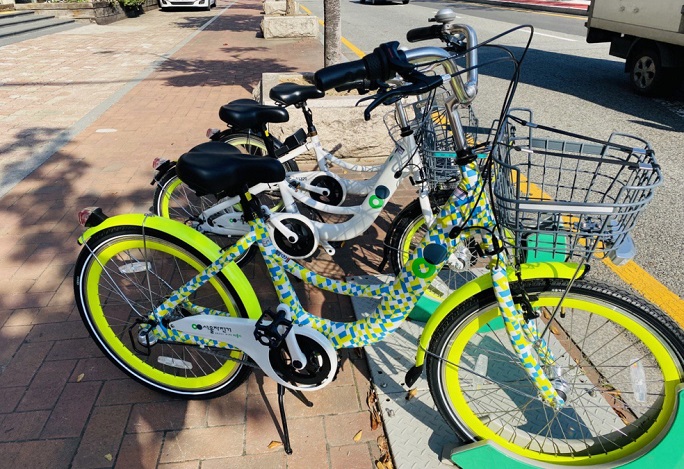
x=535, y=357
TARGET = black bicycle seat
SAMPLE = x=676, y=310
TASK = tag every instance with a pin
x=292, y=93
x=248, y=114
x=219, y=168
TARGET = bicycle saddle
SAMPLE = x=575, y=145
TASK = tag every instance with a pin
x=218, y=168
x=292, y=93
x=248, y=114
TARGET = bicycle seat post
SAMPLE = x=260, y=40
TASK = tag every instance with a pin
x=308, y=116
x=268, y=141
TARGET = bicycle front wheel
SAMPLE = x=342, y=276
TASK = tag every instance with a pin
x=123, y=273
x=617, y=359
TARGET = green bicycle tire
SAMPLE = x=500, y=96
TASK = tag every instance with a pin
x=482, y=391
x=124, y=272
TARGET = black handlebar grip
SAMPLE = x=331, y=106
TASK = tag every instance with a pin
x=339, y=74
x=423, y=34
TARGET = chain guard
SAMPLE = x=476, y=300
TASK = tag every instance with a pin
x=337, y=193
x=307, y=243
x=318, y=366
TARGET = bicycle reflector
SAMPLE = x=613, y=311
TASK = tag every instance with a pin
x=91, y=216
x=212, y=132
x=157, y=162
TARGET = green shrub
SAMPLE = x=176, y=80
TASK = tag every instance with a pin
x=131, y=3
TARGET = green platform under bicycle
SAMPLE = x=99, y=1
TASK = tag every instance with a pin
x=668, y=454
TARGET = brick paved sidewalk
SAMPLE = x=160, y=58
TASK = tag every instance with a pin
x=62, y=402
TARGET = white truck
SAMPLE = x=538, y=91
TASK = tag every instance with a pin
x=649, y=34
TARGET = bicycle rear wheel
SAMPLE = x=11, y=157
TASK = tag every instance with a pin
x=618, y=359
x=121, y=274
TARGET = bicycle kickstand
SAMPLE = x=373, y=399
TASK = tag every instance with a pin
x=286, y=433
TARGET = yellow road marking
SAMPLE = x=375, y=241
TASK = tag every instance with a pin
x=344, y=41
x=650, y=288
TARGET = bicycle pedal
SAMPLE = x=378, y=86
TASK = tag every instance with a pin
x=272, y=328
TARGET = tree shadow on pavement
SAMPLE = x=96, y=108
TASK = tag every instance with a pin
x=226, y=22
x=241, y=67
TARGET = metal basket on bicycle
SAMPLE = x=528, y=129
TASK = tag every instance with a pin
x=435, y=138
x=559, y=198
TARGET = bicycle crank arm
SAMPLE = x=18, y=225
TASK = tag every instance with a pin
x=229, y=332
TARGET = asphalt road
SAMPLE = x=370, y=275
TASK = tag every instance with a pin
x=569, y=84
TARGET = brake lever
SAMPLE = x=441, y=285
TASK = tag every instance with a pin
x=420, y=84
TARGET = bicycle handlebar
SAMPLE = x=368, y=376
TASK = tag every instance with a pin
x=424, y=33
x=381, y=64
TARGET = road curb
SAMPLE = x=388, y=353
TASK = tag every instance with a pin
x=531, y=6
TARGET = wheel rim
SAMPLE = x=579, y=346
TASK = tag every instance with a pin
x=109, y=314
x=412, y=236
x=179, y=202
x=644, y=72
x=536, y=432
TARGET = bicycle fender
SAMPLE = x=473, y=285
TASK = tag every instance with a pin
x=538, y=270
x=194, y=238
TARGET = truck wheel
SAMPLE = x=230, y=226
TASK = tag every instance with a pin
x=646, y=73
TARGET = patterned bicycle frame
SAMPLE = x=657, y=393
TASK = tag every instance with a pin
x=469, y=203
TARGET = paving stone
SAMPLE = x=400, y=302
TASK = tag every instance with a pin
x=10, y=399
x=127, y=391
x=356, y=456
x=140, y=451
x=57, y=331
x=341, y=429
x=47, y=385
x=70, y=414
x=23, y=425
x=276, y=460
x=102, y=436
x=229, y=409
x=172, y=415
x=24, y=364
x=183, y=465
x=12, y=338
x=97, y=368
x=74, y=349
x=39, y=454
x=203, y=443
x=308, y=443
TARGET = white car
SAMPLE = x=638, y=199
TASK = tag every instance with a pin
x=168, y=4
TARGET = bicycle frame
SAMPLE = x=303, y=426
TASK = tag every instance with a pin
x=209, y=328
x=401, y=163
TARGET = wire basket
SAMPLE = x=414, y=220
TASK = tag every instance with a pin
x=435, y=138
x=557, y=199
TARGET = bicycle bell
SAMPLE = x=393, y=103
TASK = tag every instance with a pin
x=444, y=16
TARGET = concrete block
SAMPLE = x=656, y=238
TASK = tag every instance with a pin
x=276, y=7
x=275, y=27
x=341, y=126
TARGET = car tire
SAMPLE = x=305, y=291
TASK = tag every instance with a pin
x=647, y=76
x=405, y=2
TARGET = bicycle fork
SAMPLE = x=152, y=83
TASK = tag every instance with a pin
x=526, y=340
